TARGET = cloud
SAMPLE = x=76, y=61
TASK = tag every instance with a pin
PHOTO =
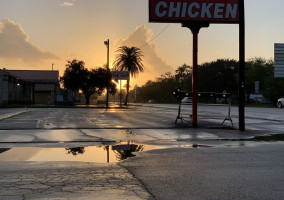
x=14, y=44
x=67, y=3
x=153, y=64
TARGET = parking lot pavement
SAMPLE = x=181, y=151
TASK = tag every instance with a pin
x=247, y=172
x=161, y=174
x=68, y=180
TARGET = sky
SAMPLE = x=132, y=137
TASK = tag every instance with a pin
x=34, y=34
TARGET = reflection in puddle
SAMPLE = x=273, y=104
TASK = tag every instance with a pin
x=76, y=151
x=98, y=154
x=122, y=154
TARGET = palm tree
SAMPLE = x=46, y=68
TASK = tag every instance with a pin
x=129, y=59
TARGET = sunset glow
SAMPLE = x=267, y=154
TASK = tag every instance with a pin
x=34, y=34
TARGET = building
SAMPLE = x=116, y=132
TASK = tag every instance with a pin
x=28, y=86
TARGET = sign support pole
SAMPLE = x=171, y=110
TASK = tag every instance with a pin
x=195, y=28
x=120, y=93
x=194, y=79
x=242, y=65
x=107, y=86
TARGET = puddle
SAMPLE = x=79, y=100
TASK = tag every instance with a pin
x=114, y=153
x=97, y=154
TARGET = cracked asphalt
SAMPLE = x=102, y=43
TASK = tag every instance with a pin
x=68, y=180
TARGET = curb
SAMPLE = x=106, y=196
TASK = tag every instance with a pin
x=13, y=115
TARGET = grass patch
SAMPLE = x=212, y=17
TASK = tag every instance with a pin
x=260, y=105
x=269, y=138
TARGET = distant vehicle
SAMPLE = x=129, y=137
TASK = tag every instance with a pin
x=186, y=100
x=151, y=101
x=280, y=102
x=258, y=98
x=220, y=100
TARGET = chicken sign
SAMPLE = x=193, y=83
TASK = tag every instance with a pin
x=179, y=11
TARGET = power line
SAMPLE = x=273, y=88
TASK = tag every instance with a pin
x=155, y=36
x=152, y=38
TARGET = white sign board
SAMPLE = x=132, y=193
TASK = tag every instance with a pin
x=120, y=75
x=279, y=60
x=179, y=11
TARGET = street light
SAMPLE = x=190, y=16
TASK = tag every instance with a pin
x=18, y=85
x=107, y=45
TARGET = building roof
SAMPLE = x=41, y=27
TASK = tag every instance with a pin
x=36, y=75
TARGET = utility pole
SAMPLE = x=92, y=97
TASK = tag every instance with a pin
x=107, y=45
x=242, y=66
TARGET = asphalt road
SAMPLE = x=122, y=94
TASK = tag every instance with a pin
x=66, y=118
x=256, y=118
x=221, y=168
x=146, y=116
x=140, y=123
x=220, y=173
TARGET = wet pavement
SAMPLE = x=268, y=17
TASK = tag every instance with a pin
x=220, y=173
x=210, y=162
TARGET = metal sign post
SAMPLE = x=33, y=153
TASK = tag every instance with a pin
x=195, y=28
x=107, y=87
x=120, y=104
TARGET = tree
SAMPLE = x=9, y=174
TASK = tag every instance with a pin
x=77, y=77
x=76, y=151
x=273, y=88
x=183, y=77
x=218, y=76
x=159, y=90
x=258, y=69
x=215, y=76
x=95, y=81
x=129, y=59
x=73, y=75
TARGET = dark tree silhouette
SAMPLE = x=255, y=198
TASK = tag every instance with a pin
x=258, y=69
x=95, y=81
x=76, y=77
x=129, y=59
x=124, y=154
x=73, y=75
x=76, y=151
